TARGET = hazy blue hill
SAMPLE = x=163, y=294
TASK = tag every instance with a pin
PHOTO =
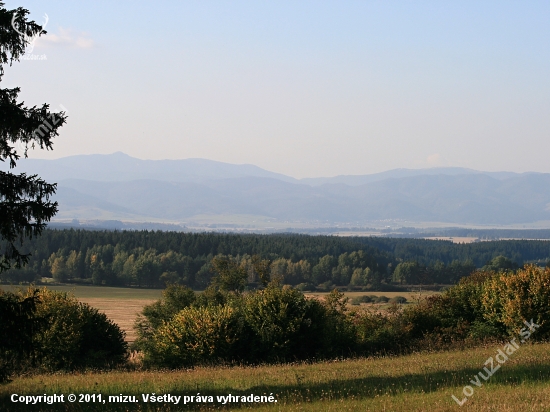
x=462, y=199
x=74, y=205
x=152, y=198
x=357, y=180
x=477, y=199
x=532, y=190
x=179, y=200
x=121, y=167
x=118, y=186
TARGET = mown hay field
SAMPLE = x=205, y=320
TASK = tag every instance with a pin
x=121, y=305
x=417, y=382
x=100, y=292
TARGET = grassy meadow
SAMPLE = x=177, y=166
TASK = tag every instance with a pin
x=417, y=382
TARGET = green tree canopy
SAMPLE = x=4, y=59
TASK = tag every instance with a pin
x=230, y=276
x=25, y=203
x=500, y=263
x=407, y=272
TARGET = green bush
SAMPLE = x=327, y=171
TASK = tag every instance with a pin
x=275, y=324
x=483, y=330
x=286, y=326
x=51, y=331
x=277, y=317
x=174, y=299
x=398, y=300
x=510, y=298
x=357, y=300
x=196, y=335
x=305, y=287
x=75, y=335
x=325, y=286
x=379, y=333
x=18, y=324
x=337, y=329
x=280, y=324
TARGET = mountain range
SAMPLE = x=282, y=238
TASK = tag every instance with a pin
x=118, y=186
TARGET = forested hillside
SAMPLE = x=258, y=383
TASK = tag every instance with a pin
x=154, y=259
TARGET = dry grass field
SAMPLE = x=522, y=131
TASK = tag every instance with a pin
x=105, y=292
x=121, y=305
x=416, y=382
x=122, y=312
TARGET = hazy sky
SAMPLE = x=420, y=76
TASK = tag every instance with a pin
x=305, y=88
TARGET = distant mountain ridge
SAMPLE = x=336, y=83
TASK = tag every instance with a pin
x=120, y=187
x=357, y=180
x=121, y=167
x=475, y=199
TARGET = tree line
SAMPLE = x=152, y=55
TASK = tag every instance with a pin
x=155, y=259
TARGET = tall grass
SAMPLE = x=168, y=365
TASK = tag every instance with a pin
x=414, y=382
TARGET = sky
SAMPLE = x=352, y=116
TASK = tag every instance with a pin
x=304, y=88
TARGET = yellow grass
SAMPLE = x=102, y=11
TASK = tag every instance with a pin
x=123, y=313
x=121, y=305
x=417, y=382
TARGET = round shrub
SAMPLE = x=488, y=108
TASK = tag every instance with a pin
x=509, y=299
x=380, y=333
x=174, y=299
x=305, y=287
x=326, y=286
x=381, y=299
x=277, y=317
x=196, y=335
x=357, y=300
x=398, y=300
x=75, y=335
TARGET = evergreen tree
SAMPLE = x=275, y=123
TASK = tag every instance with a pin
x=25, y=203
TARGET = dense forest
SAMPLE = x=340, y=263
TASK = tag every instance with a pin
x=154, y=259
